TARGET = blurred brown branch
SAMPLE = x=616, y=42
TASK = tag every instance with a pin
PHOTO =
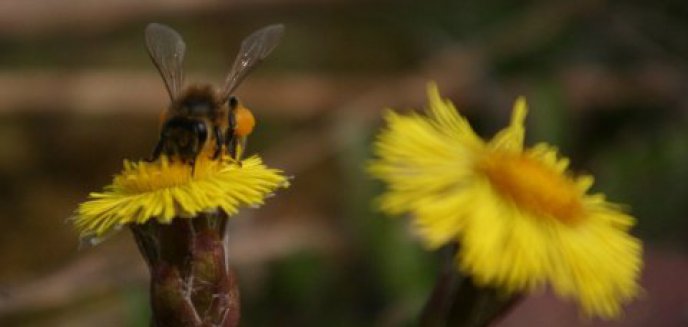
x=300, y=96
x=98, y=92
x=36, y=17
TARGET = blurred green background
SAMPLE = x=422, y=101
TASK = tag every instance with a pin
x=606, y=81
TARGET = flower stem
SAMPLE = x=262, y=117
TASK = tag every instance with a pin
x=476, y=306
x=457, y=301
x=191, y=282
x=435, y=311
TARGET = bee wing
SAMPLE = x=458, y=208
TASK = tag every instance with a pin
x=166, y=48
x=254, y=49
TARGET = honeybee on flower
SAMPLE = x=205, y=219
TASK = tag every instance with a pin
x=199, y=117
x=196, y=165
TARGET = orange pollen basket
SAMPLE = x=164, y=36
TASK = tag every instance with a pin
x=244, y=121
x=534, y=187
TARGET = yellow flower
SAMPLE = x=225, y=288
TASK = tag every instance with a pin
x=521, y=219
x=165, y=190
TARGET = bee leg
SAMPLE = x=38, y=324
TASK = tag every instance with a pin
x=241, y=146
x=232, y=146
x=238, y=147
x=218, y=142
x=192, y=162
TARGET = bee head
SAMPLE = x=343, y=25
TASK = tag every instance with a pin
x=184, y=137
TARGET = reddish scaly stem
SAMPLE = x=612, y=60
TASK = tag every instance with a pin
x=191, y=283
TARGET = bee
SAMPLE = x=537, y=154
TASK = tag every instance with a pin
x=201, y=119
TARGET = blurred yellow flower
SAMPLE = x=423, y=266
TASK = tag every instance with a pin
x=165, y=190
x=521, y=219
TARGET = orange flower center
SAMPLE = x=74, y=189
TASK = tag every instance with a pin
x=533, y=186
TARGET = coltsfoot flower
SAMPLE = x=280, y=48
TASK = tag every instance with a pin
x=165, y=190
x=521, y=219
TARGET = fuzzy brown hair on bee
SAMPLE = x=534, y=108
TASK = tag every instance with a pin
x=199, y=118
